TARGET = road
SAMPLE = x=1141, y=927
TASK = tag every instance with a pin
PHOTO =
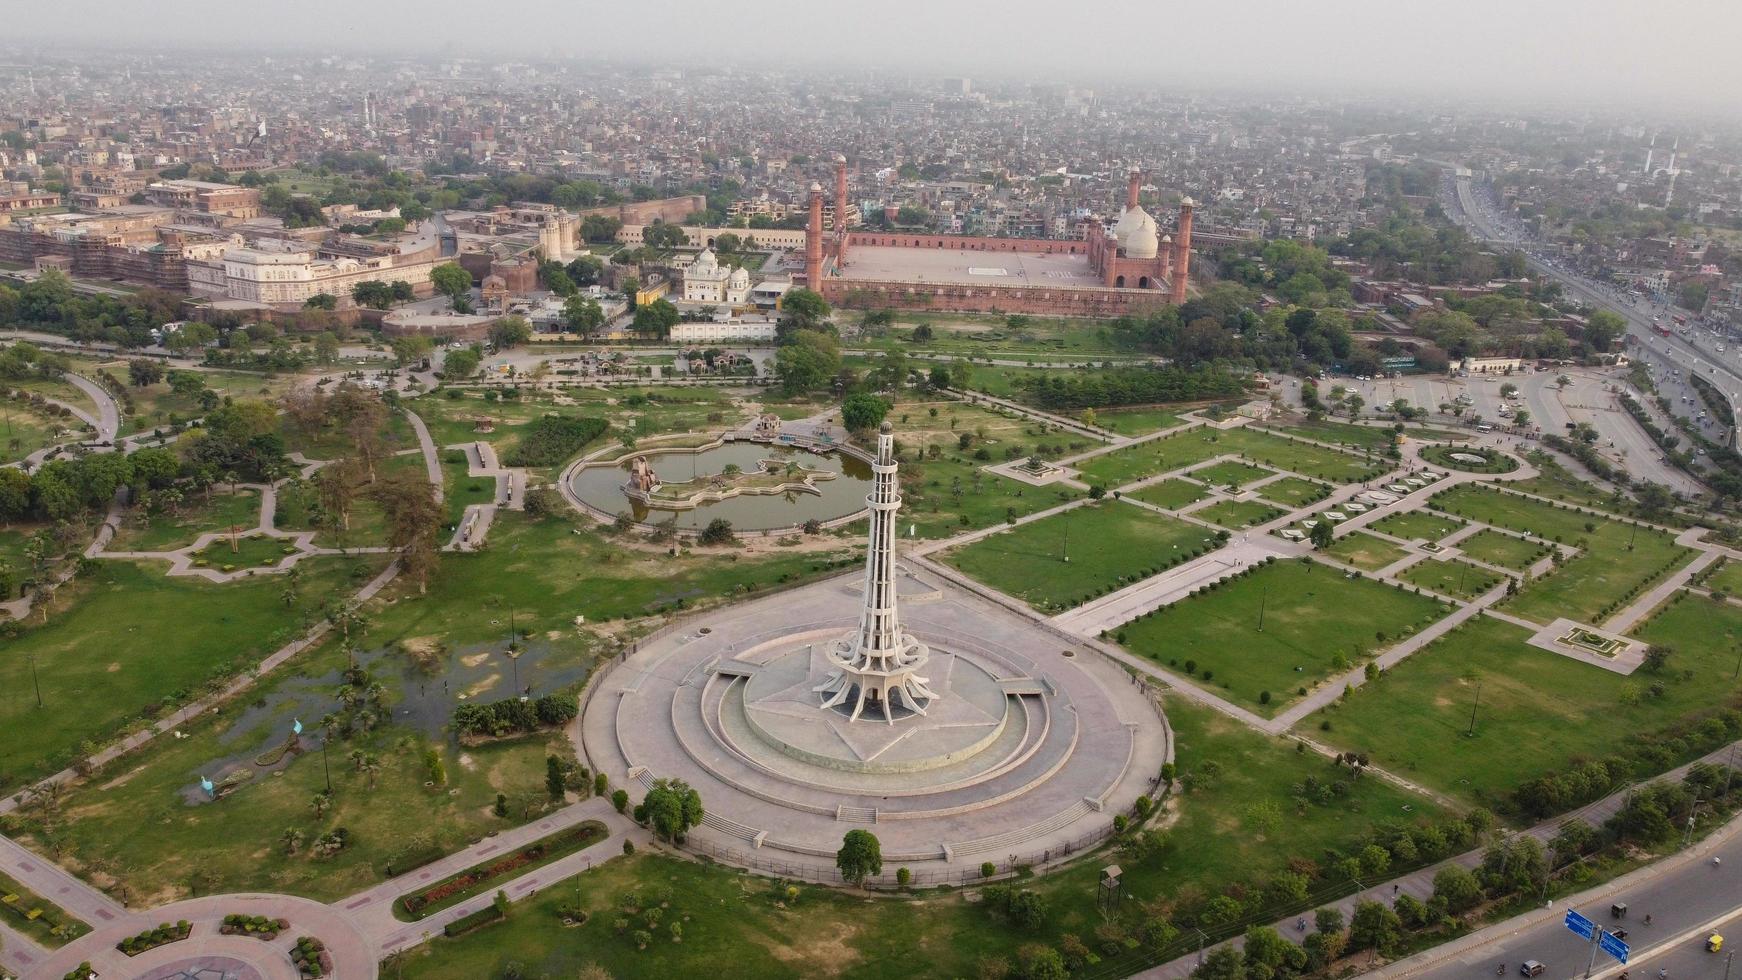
x=1680, y=900
x=1687, y=347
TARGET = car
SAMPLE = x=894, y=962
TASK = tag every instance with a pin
x=1530, y=968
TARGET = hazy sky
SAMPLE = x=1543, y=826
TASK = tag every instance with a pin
x=1656, y=51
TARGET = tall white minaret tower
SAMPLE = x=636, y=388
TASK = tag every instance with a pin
x=878, y=666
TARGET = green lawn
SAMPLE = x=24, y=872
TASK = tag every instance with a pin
x=24, y=430
x=1615, y=560
x=1230, y=473
x=1727, y=579
x=37, y=917
x=104, y=666
x=1110, y=545
x=1414, y=525
x=242, y=552
x=1458, y=579
x=1293, y=492
x=1238, y=515
x=1132, y=463
x=164, y=531
x=1556, y=481
x=1364, y=551
x=1372, y=437
x=1172, y=493
x=1504, y=550
x=1539, y=712
x=1136, y=421
x=1317, y=622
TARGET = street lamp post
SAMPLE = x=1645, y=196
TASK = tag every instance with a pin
x=326, y=736
x=1471, y=733
x=35, y=681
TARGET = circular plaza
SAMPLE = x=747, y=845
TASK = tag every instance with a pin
x=955, y=729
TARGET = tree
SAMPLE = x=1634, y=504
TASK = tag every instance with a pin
x=1457, y=888
x=661, y=235
x=452, y=281
x=583, y=315
x=718, y=532
x=414, y=519
x=461, y=364
x=1322, y=536
x=802, y=309
x=655, y=319
x=672, y=808
x=1374, y=926
x=1602, y=328
x=321, y=301
x=1656, y=658
x=554, y=778
x=860, y=856
x=861, y=412
x=411, y=349
x=807, y=362
x=142, y=372
x=1353, y=404
x=1266, y=948
x=1221, y=963
x=326, y=347
x=510, y=331
x=1038, y=962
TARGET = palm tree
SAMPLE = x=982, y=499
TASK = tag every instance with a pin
x=371, y=767
x=291, y=839
x=320, y=803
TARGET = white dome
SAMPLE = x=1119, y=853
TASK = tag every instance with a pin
x=706, y=260
x=740, y=277
x=1137, y=234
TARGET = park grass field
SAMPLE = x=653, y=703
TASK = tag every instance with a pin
x=242, y=552
x=1294, y=492
x=945, y=488
x=1110, y=545
x=1239, y=818
x=165, y=532
x=1559, y=483
x=1539, y=712
x=1500, y=549
x=1132, y=463
x=1616, y=557
x=1172, y=494
x=1458, y=579
x=157, y=405
x=1238, y=515
x=24, y=430
x=1368, y=437
x=1412, y=525
x=1136, y=421
x=1727, y=579
x=1317, y=622
x=235, y=843
x=117, y=666
x=1230, y=474
x=1364, y=551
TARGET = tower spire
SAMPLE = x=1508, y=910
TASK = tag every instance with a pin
x=878, y=666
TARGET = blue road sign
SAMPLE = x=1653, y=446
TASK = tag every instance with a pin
x=1614, y=947
x=1579, y=924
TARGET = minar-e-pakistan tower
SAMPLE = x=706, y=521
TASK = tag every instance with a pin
x=878, y=667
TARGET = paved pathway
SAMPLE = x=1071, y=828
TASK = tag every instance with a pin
x=432, y=463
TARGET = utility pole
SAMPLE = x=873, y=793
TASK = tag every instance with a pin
x=35, y=681
x=326, y=736
x=1067, y=547
x=1263, y=598
x=1473, y=706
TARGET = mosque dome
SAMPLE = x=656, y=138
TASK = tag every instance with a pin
x=1137, y=233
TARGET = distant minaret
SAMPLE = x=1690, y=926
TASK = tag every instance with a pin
x=878, y=666
x=813, y=240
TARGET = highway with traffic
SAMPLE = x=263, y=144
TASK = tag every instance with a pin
x=1691, y=347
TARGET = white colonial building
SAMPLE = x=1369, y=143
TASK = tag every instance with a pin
x=709, y=332
x=707, y=281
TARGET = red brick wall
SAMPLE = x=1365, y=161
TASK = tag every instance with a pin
x=1049, y=246
x=1041, y=300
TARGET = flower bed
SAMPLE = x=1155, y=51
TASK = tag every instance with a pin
x=258, y=926
x=311, y=957
x=150, y=939
x=477, y=878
